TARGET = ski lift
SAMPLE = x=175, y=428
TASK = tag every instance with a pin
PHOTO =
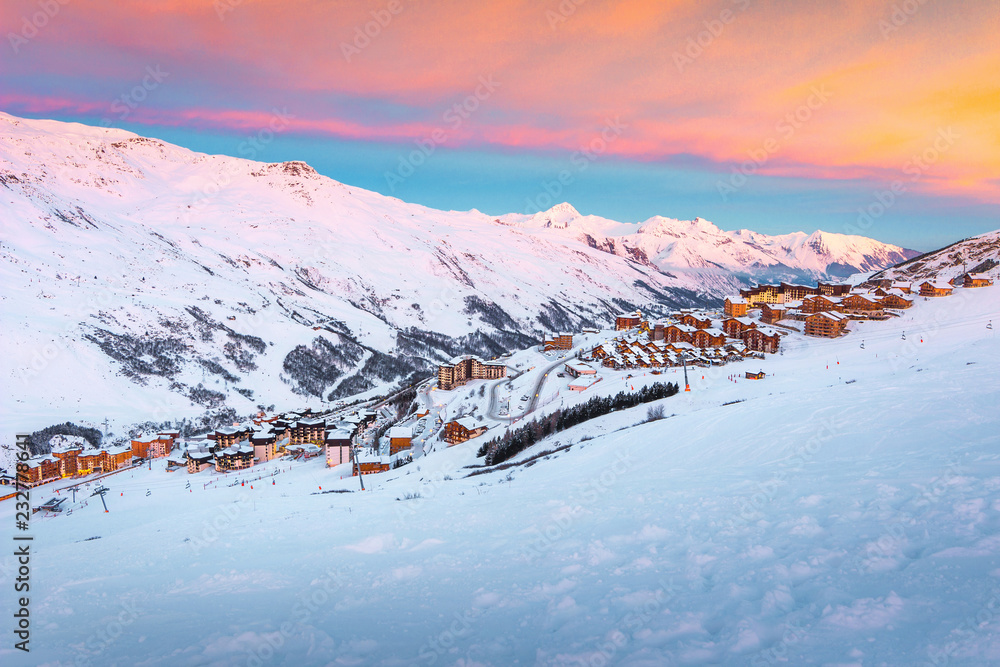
x=904, y=335
x=989, y=325
x=862, y=345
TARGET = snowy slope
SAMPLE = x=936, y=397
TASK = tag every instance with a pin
x=979, y=254
x=845, y=512
x=194, y=283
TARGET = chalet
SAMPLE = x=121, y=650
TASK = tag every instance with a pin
x=825, y=324
x=903, y=287
x=461, y=369
x=708, y=338
x=761, y=340
x=861, y=304
x=234, y=457
x=678, y=333
x=820, y=304
x=772, y=312
x=400, y=438
x=759, y=375
x=576, y=369
x=735, y=326
x=559, y=341
x=895, y=299
x=370, y=462
x=624, y=321
x=692, y=320
x=735, y=306
x=935, y=288
x=976, y=280
x=462, y=429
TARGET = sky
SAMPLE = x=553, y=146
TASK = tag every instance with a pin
x=873, y=117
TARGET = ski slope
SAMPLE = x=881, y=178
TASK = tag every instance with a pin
x=844, y=512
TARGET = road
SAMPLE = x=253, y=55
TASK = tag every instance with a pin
x=533, y=394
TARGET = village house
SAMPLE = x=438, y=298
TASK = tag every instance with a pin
x=903, y=287
x=861, y=304
x=400, y=439
x=462, y=429
x=735, y=306
x=820, y=304
x=826, y=324
x=761, y=339
x=895, y=299
x=693, y=320
x=559, y=341
x=976, y=280
x=678, y=333
x=626, y=321
x=468, y=367
x=370, y=462
x=772, y=312
x=708, y=338
x=935, y=288
x=735, y=326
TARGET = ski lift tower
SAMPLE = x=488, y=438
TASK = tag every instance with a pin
x=100, y=492
x=687, y=387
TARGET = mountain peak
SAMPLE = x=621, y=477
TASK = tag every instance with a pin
x=558, y=216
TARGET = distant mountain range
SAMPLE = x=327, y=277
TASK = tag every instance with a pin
x=978, y=254
x=142, y=278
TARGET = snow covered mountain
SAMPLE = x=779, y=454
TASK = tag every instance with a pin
x=700, y=249
x=192, y=282
x=979, y=254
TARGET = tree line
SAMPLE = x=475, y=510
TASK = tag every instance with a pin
x=513, y=442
